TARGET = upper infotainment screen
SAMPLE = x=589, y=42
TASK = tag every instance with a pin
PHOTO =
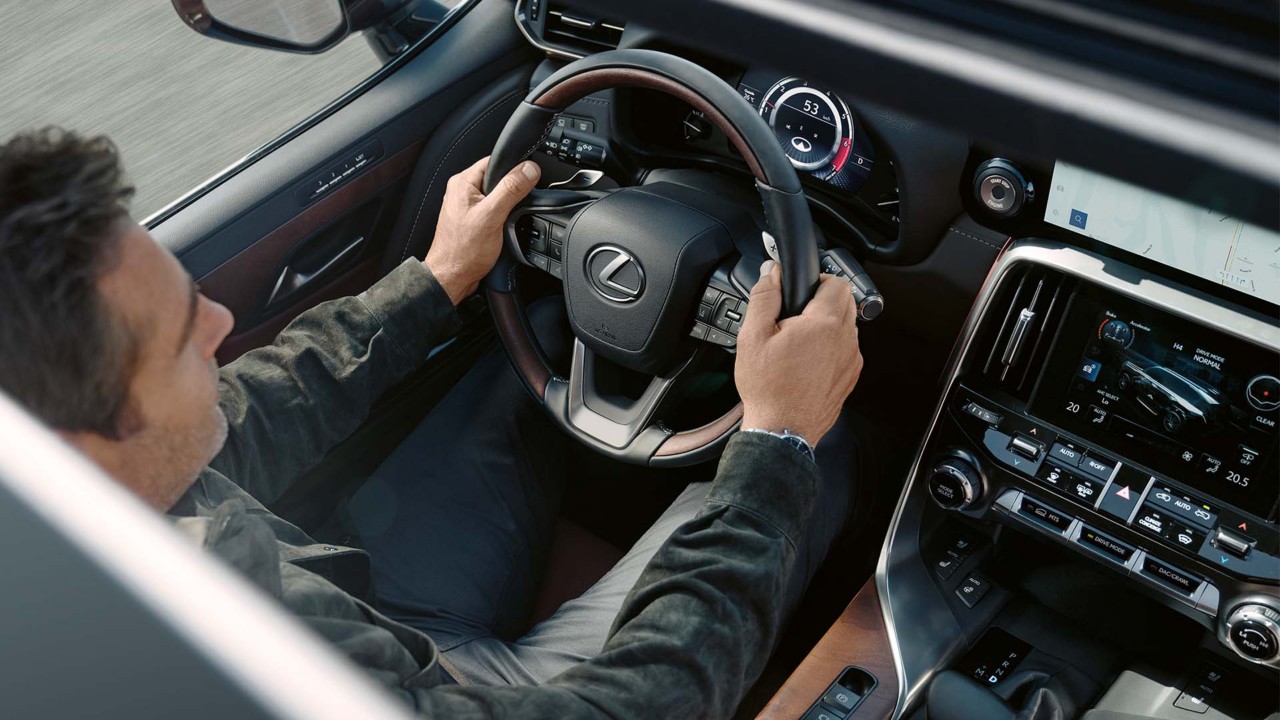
x=1202, y=242
x=1185, y=400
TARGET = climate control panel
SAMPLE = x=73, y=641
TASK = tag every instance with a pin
x=1195, y=550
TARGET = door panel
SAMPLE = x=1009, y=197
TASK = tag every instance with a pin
x=247, y=282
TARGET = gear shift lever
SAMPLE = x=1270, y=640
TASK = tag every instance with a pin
x=953, y=696
x=1043, y=688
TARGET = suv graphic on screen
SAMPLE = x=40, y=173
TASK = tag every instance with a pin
x=1177, y=401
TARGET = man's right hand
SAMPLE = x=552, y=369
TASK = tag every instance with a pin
x=794, y=374
x=468, y=236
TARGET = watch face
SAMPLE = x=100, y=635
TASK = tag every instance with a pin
x=800, y=444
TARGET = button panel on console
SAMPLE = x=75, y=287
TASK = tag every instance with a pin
x=1105, y=544
x=1120, y=492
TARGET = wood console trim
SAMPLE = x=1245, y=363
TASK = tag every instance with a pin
x=859, y=637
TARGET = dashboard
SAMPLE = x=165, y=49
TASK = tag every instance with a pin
x=1115, y=387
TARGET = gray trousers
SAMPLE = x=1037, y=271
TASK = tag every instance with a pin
x=459, y=519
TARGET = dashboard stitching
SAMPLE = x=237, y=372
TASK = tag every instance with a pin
x=404, y=254
x=971, y=236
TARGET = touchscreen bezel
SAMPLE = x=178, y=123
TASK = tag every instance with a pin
x=1049, y=400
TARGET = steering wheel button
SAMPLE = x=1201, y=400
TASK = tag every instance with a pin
x=699, y=331
x=558, y=232
x=542, y=262
x=705, y=312
x=720, y=338
x=710, y=296
x=556, y=269
x=557, y=251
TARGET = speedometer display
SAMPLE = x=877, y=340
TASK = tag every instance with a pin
x=814, y=127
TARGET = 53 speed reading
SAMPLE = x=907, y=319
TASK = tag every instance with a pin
x=812, y=125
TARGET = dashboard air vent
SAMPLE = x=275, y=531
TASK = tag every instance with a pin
x=580, y=32
x=1019, y=327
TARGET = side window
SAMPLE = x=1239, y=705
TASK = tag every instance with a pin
x=181, y=107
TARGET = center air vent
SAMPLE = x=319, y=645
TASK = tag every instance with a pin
x=579, y=32
x=1019, y=326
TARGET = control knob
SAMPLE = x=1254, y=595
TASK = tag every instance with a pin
x=955, y=483
x=1253, y=631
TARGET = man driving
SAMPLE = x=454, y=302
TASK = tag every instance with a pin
x=107, y=339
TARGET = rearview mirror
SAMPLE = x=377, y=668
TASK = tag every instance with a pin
x=305, y=26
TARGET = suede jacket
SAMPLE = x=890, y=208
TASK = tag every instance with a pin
x=693, y=634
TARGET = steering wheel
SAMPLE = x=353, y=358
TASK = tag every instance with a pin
x=644, y=267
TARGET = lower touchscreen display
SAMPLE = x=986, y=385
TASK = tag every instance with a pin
x=1187, y=401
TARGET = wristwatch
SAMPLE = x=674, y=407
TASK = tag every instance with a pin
x=798, y=442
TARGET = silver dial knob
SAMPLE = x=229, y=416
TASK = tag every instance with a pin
x=955, y=484
x=1253, y=631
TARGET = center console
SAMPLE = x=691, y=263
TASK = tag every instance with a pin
x=1090, y=526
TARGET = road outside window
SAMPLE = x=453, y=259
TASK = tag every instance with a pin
x=182, y=107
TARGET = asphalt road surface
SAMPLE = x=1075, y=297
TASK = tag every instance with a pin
x=180, y=106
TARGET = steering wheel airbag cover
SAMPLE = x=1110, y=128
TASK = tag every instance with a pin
x=670, y=247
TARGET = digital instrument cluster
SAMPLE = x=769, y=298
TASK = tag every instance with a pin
x=814, y=127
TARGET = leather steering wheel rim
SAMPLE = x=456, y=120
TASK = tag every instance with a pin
x=786, y=212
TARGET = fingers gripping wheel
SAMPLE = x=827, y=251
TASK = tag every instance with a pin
x=634, y=261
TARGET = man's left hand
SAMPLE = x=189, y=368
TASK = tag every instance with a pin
x=469, y=233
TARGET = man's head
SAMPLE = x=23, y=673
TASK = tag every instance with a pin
x=103, y=335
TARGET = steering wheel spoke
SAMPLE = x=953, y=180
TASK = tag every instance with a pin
x=603, y=415
x=536, y=231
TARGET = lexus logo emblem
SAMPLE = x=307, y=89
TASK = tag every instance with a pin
x=615, y=273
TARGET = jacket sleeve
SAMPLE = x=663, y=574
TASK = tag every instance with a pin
x=698, y=627
x=288, y=403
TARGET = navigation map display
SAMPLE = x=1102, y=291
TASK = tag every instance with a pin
x=1202, y=242
x=1189, y=402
